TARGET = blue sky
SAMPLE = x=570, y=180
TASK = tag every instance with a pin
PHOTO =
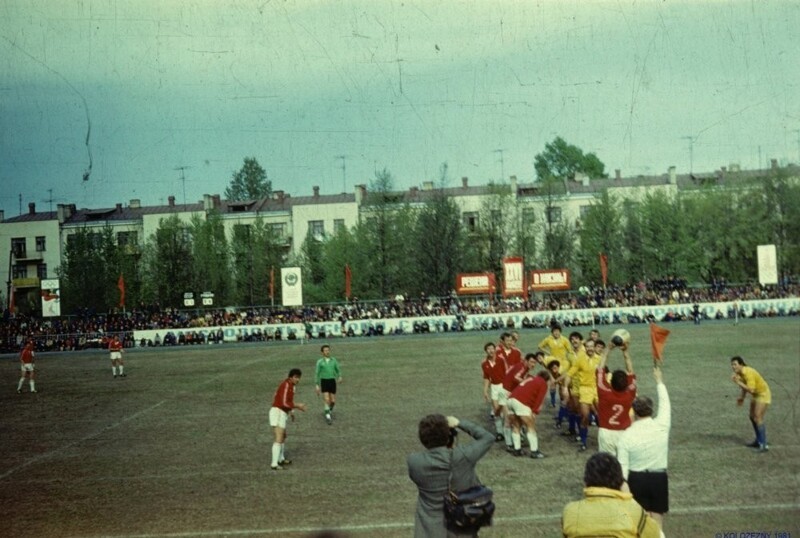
x=406, y=86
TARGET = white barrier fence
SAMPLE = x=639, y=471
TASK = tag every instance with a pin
x=233, y=333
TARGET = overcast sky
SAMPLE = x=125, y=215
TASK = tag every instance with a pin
x=166, y=84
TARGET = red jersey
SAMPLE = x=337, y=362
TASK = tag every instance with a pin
x=494, y=372
x=614, y=408
x=26, y=355
x=531, y=392
x=115, y=345
x=513, y=357
x=514, y=376
x=501, y=354
x=284, y=396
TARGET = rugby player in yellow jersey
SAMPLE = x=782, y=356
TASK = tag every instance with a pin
x=751, y=382
x=570, y=387
x=557, y=346
x=583, y=370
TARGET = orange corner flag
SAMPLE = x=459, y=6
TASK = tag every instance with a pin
x=658, y=337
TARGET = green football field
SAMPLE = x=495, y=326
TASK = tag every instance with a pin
x=181, y=446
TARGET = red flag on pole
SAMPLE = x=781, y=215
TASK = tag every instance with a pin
x=658, y=337
x=11, y=304
x=272, y=283
x=604, y=268
x=347, y=278
x=121, y=286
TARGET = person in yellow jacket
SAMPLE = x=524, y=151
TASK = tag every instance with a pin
x=751, y=382
x=607, y=509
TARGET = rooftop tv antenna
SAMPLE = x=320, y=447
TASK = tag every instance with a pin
x=183, y=180
x=344, y=172
x=50, y=199
x=691, y=151
x=502, y=164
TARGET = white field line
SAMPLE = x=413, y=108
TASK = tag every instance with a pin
x=59, y=450
x=92, y=435
x=409, y=524
x=260, y=472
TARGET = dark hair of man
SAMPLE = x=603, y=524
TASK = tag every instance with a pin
x=576, y=334
x=619, y=380
x=529, y=356
x=544, y=374
x=643, y=407
x=553, y=363
x=323, y=347
x=295, y=372
x=738, y=360
x=604, y=471
x=554, y=327
x=486, y=345
x=434, y=431
x=505, y=335
x=599, y=342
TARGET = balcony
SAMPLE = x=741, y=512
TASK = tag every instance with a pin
x=28, y=282
x=27, y=256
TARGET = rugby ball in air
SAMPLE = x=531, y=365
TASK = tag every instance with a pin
x=620, y=336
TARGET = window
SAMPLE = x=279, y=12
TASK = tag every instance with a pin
x=471, y=221
x=18, y=247
x=278, y=229
x=316, y=228
x=40, y=244
x=41, y=270
x=19, y=271
x=241, y=231
x=127, y=239
x=96, y=240
x=528, y=216
x=338, y=225
x=553, y=214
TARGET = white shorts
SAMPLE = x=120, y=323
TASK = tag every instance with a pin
x=608, y=440
x=277, y=417
x=502, y=399
x=116, y=355
x=496, y=392
x=518, y=408
x=27, y=367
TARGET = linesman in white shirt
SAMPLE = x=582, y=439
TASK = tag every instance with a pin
x=643, y=451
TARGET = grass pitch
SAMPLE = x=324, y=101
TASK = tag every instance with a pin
x=181, y=447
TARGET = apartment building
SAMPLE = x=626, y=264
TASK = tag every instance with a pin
x=32, y=244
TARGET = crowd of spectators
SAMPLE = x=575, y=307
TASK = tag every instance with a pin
x=87, y=329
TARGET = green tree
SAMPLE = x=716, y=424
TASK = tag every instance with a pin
x=562, y=160
x=496, y=221
x=167, y=262
x=600, y=233
x=633, y=268
x=387, y=220
x=783, y=198
x=249, y=183
x=257, y=250
x=438, y=241
x=90, y=271
x=211, y=257
x=664, y=236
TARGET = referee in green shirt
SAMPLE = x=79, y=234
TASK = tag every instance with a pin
x=325, y=378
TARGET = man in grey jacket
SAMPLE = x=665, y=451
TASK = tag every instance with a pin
x=441, y=466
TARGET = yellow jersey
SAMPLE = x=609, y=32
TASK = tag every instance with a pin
x=754, y=381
